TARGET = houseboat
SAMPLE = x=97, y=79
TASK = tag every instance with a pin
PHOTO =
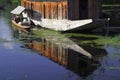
x=65, y=15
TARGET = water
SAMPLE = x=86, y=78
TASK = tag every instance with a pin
x=47, y=60
x=17, y=63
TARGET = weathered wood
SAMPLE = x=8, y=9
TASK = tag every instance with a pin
x=49, y=10
x=68, y=9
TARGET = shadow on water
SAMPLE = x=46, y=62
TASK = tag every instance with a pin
x=83, y=38
x=61, y=53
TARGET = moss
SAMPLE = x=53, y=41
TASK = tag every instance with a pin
x=79, y=38
x=44, y=33
x=95, y=39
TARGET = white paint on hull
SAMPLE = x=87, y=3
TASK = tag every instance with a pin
x=62, y=25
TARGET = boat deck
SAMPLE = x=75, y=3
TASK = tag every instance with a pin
x=20, y=27
x=67, y=25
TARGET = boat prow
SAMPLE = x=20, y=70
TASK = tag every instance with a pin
x=21, y=27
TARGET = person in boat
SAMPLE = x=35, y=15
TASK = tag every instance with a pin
x=26, y=19
x=17, y=19
x=25, y=14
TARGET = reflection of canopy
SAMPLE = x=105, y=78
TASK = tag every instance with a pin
x=18, y=10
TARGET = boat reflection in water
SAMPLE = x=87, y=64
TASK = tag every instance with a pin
x=61, y=52
x=67, y=57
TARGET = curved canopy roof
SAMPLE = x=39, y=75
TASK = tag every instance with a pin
x=18, y=10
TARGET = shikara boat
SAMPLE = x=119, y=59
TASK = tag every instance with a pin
x=20, y=27
x=17, y=22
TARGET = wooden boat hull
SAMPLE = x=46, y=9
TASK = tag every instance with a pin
x=20, y=27
x=100, y=23
x=68, y=25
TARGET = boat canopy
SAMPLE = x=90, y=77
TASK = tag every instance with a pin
x=18, y=10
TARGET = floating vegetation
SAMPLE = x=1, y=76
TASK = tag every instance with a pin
x=79, y=38
x=97, y=39
x=43, y=33
x=4, y=40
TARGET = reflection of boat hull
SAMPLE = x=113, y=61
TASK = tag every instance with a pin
x=67, y=57
x=21, y=27
x=68, y=25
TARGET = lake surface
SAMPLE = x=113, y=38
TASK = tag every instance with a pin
x=45, y=60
